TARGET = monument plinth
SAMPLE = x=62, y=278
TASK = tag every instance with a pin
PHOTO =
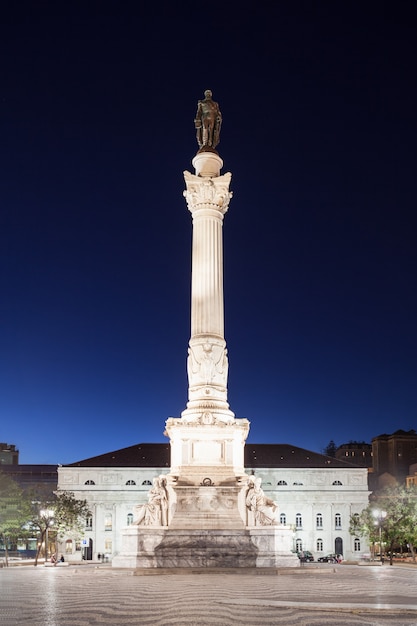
x=207, y=512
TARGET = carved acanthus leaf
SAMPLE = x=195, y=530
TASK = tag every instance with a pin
x=207, y=192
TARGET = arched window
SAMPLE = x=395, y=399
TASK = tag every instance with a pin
x=129, y=519
x=338, y=521
x=89, y=482
x=336, y=482
x=68, y=546
x=89, y=522
x=299, y=545
x=282, y=518
x=298, y=520
x=130, y=482
x=146, y=482
x=281, y=483
x=319, y=520
x=319, y=545
x=357, y=545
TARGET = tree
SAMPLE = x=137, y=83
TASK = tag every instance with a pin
x=399, y=525
x=330, y=449
x=55, y=514
x=70, y=513
x=14, y=513
x=363, y=525
x=390, y=518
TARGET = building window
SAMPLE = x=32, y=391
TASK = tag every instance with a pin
x=298, y=484
x=282, y=518
x=89, y=482
x=298, y=521
x=338, y=521
x=319, y=520
x=129, y=519
x=89, y=522
x=299, y=545
x=336, y=482
x=281, y=483
x=108, y=546
x=130, y=482
x=357, y=545
x=146, y=482
x=68, y=546
x=319, y=545
x=108, y=522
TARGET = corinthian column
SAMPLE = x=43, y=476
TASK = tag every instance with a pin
x=207, y=195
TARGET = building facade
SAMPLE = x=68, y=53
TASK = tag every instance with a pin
x=316, y=496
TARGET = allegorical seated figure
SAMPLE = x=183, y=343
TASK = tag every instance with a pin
x=262, y=511
x=208, y=121
x=155, y=511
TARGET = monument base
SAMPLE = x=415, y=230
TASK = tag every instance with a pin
x=257, y=547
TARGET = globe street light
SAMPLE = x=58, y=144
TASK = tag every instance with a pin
x=379, y=518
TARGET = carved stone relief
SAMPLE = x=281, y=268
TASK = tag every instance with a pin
x=207, y=364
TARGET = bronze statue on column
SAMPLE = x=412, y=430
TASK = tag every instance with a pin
x=208, y=121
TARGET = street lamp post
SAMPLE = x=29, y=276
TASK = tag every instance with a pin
x=379, y=518
x=47, y=516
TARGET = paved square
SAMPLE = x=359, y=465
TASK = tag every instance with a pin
x=311, y=596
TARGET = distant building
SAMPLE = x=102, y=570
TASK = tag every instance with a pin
x=26, y=475
x=8, y=454
x=32, y=475
x=389, y=458
x=393, y=455
x=356, y=452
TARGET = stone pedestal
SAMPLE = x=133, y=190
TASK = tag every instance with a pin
x=263, y=548
x=208, y=507
x=273, y=545
x=207, y=449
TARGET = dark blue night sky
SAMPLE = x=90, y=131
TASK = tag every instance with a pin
x=319, y=131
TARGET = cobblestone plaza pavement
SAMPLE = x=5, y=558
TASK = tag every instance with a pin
x=311, y=596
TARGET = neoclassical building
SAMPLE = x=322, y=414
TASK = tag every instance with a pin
x=316, y=495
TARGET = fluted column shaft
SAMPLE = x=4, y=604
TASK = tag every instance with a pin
x=208, y=199
x=207, y=316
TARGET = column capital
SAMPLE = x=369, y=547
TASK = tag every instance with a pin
x=207, y=193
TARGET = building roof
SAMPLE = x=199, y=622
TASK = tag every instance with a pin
x=139, y=455
x=282, y=455
x=257, y=455
x=405, y=434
